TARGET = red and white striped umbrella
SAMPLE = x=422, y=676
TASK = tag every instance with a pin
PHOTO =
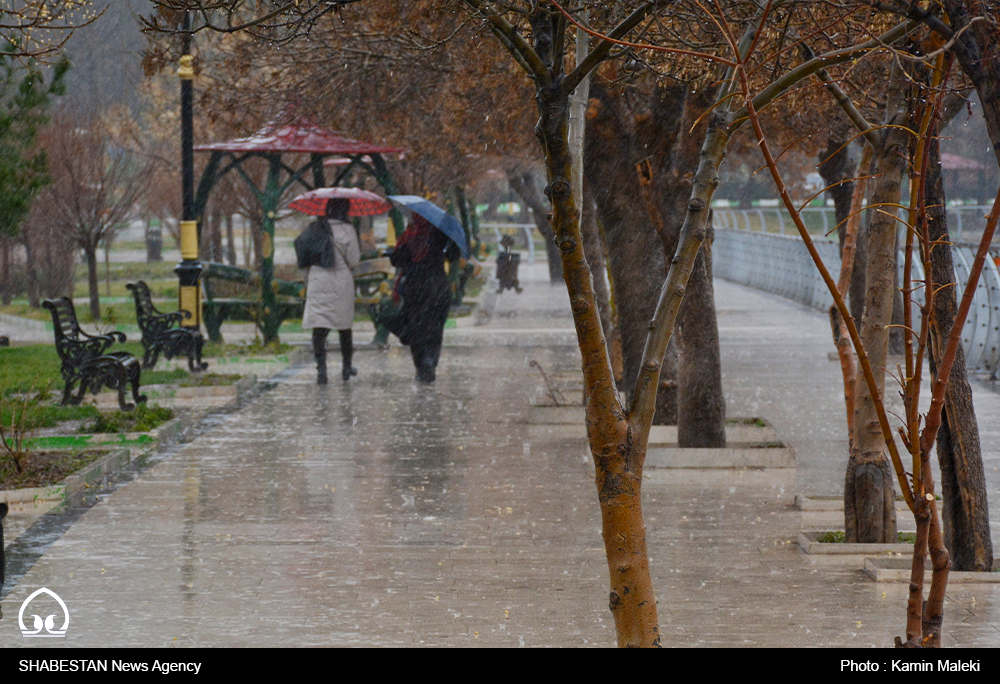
x=363, y=202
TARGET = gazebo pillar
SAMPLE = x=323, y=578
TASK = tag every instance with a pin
x=270, y=319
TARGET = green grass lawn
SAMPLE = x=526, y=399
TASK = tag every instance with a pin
x=35, y=367
x=34, y=370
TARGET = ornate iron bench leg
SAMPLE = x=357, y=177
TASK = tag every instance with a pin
x=67, y=398
x=84, y=381
x=127, y=373
x=150, y=356
x=121, y=378
x=134, y=371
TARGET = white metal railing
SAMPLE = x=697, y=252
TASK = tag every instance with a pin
x=780, y=264
x=823, y=220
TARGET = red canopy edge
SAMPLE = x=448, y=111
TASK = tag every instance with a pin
x=298, y=136
x=953, y=162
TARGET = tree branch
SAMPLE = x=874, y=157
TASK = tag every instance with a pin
x=844, y=101
x=515, y=43
x=779, y=86
x=600, y=53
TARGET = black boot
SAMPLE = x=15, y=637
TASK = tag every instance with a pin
x=319, y=352
x=425, y=363
x=347, y=353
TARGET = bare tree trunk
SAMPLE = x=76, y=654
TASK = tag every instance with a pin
x=52, y=259
x=246, y=240
x=836, y=166
x=594, y=251
x=31, y=271
x=745, y=194
x=896, y=332
x=701, y=405
x=154, y=241
x=92, y=282
x=6, y=280
x=848, y=271
x=869, y=500
x=963, y=483
x=523, y=184
x=661, y=140
x=618, y=456
x=635, y=253
x=858, y=287
x=107, y=266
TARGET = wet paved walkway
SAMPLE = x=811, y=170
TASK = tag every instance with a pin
x=386, y=513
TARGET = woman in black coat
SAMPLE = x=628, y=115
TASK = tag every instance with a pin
x=420, y=255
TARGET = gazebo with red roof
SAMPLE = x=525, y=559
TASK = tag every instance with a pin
x=289, y=135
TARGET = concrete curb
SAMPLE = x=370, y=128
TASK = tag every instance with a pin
x=729, y=457
x=897, y=569
x=71, y=484
x=807, y=542
x=659, y=435
x=833, y=503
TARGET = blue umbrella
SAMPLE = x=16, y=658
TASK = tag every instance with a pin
x=437, y=216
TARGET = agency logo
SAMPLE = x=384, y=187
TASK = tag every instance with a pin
x=48, y=623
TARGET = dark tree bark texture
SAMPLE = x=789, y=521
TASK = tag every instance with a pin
x=92, y=281
x=701, y=412
x=6, y=279
x=701, y=405
x=964, y=505
x=154, y=242
x=522, y=182
x=230, y=241
x=835, y=166
x=648, y=150
x=635, y=254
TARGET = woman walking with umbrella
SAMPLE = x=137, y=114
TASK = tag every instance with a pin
x=432, y=237
x=328, y=249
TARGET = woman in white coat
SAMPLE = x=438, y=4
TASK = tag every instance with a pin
x=330, y=289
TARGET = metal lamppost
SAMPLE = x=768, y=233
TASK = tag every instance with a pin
x=189, y=270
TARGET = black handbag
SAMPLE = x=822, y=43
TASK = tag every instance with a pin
x=395, y=321
x=314, y=246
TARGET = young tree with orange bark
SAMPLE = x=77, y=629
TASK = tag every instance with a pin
x=871, y=433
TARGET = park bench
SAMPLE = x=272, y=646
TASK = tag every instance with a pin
x=85, y=361
x=233, y=293
x=161, y=332
x=221, y=279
